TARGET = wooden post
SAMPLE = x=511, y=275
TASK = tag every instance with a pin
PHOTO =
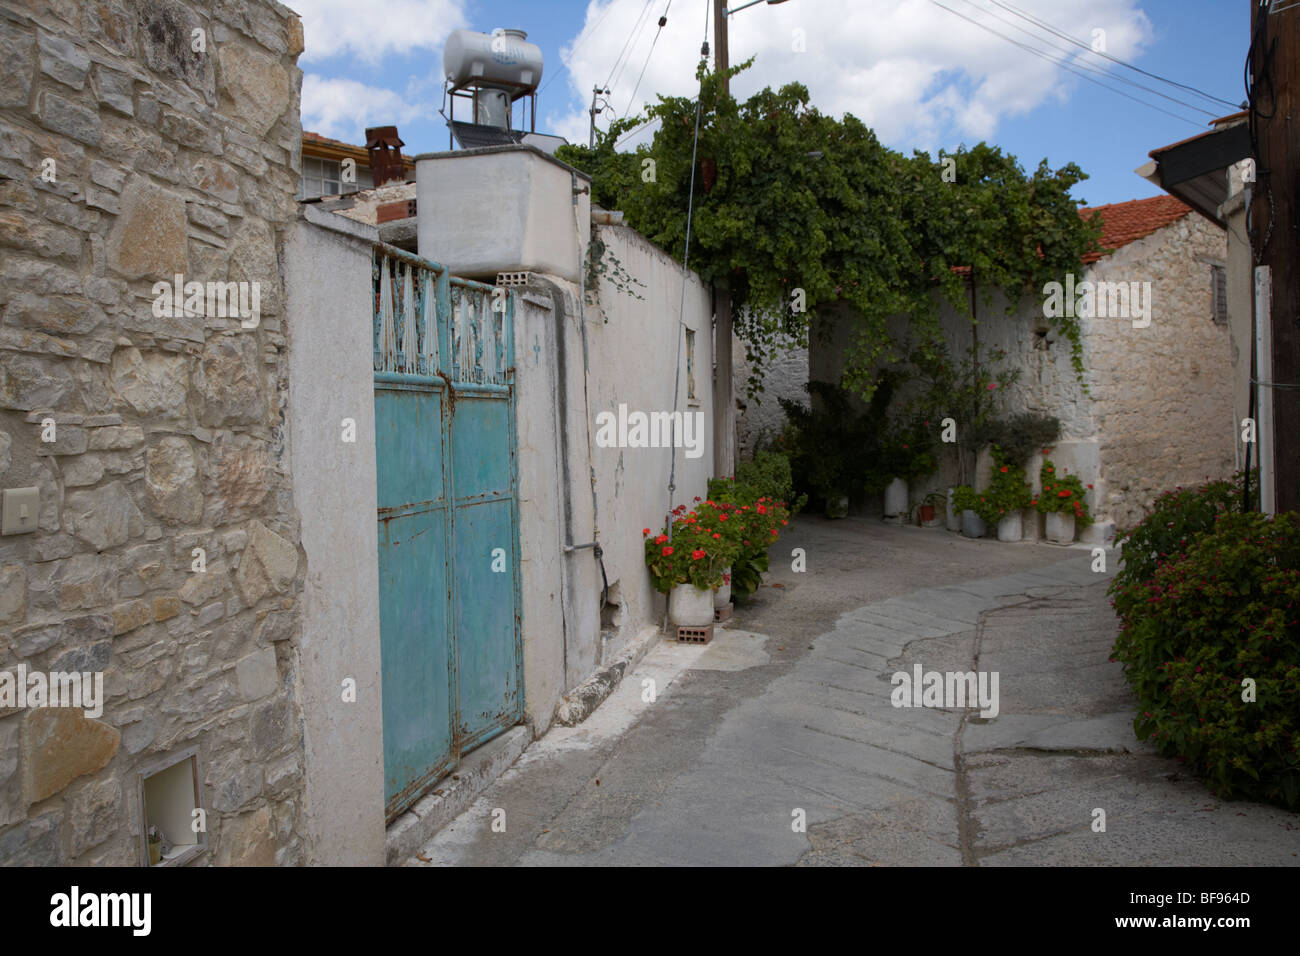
x=1275, y=71
x=724, y=403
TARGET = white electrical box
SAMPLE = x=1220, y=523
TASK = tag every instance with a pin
x=20, y=510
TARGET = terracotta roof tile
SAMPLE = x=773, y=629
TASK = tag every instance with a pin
x=1125, y=222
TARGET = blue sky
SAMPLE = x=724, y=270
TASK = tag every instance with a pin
x=918, y=74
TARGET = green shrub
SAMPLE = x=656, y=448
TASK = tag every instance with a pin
x=1222, y=609
x=769, y=476
x=832, y=446
x=1019, y=436
x=1176, y=519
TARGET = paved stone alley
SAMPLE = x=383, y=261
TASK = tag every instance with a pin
x=789, y=709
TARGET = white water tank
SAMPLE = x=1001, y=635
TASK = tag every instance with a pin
x=502, y=57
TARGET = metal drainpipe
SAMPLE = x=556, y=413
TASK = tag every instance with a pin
x=586, y=400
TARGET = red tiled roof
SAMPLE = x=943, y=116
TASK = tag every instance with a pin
x=1125, y=222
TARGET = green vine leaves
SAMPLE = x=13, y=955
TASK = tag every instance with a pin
x=801, y=216
x=603, y=264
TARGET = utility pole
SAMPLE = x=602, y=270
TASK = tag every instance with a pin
x=1274, y=220
x=596, y=92
x=724, y=402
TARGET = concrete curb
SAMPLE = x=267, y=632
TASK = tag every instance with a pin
x=477, y=771
x=577, y=705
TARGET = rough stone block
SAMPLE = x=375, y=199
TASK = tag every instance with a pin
x=18, y=54
x=36, y=844
x=13, y=593
x=114, y=90
x=166, y=608
x=69, y=118
x=166, y=35
x=104, y=517
x=113, y=437
x=254, y=87
x=257, y=674
x=268, y=565
x=127, y=617
x=171, y=478
x=59, y=745
x=149, y=238
x=63, y=60
x=56, y=314
x=229, y=383
x=201, y=587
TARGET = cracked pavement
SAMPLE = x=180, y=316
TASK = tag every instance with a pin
x=789, y=710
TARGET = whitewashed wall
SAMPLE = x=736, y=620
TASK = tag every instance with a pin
x=631, y=351
x=1160, y=413
x=327, y=268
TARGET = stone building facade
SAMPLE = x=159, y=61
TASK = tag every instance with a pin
x=1158, y=411
x=140, y=142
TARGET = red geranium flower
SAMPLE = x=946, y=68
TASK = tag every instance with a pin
x=645, y=532
x=667, y=551
x=1004, y=467
x=661, y=539
x=696, y=555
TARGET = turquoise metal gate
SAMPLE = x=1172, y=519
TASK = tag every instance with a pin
x=448, y=519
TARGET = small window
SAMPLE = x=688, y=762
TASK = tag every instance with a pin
x=323, y=177
x=690, y=365
x=1219, y=286
x=175, y=823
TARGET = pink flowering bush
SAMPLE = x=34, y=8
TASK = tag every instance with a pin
x=1210, y=644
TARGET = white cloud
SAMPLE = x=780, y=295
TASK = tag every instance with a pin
x=916, y=73
x=342, y=109
x=371, y=30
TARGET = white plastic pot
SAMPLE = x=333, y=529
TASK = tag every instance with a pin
x=952, y=515
x=972, y=525
x=722, y=596
x=896, y=501
x=689, y=606
x=1010, y=527
x=1060, y=527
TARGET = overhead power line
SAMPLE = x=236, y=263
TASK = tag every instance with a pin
x=1114, y=59
x=581, y=40
x=663, y=20
x=1086, y=66
x=1062, y=63
x=635, y=31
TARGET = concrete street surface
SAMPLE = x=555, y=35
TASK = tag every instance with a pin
x=714, y=755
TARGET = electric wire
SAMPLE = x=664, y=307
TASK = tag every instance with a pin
x=1089, y=67
x=644, y=23
x=1062, y=64
x=662, y=21
x=1114, y=59
x=686, y=258
x=627, y=45
x=581, y=40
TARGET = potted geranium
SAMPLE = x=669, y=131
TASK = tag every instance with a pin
x=1063, y=502
x=687, y=563
x=1006, y=498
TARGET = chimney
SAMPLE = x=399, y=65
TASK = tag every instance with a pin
x=385, y=154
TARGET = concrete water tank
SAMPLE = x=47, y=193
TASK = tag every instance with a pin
x=503, y=57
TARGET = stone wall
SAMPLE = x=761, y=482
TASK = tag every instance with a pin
x=139, y=141
x=1159, y=411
